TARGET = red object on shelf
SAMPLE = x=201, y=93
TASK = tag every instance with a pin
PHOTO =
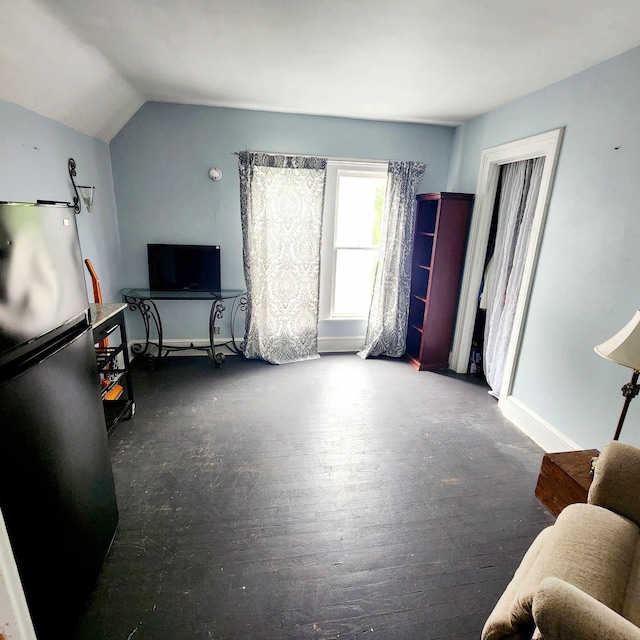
x=97, y=294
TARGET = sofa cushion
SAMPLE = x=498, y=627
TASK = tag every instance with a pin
x=588, y=547
x=616, y=478
x=502, y=623
x=631, y=607
x=563, y=612
x=593, y=550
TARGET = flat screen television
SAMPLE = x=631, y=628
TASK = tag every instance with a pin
x=183, y=267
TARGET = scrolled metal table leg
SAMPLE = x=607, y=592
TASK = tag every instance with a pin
x=217, y=312
x=239, y=304
x=149, y=313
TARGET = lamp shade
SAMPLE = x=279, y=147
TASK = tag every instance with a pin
x=624, y=347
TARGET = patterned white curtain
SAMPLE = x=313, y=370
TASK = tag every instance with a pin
x=281, y=202
x=389, y=311
x=518, y=198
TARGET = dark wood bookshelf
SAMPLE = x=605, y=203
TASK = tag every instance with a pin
x=441, y=226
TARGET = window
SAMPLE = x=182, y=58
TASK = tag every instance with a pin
x=354, y=202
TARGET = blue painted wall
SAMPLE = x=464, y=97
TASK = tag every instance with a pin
x=161, y=160
x=34, y=151
x=586, y=286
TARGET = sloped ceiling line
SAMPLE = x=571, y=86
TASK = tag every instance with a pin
x=91, y=64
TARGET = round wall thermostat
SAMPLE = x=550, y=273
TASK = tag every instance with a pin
x=215, y=174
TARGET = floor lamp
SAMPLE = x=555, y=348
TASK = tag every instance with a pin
x=624, y=348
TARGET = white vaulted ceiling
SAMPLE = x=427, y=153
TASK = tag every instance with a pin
x=90, y=64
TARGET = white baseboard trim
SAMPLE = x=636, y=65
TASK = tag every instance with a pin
x=184, y=342
x=340, y=344
x=539, y=430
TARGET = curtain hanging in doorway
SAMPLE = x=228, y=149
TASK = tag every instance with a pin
x=389, y=311
x=281, y=203
x=518, y=198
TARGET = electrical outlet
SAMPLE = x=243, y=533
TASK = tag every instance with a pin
x=216, y=330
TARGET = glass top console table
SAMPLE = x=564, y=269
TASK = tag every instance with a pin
x=143, y=300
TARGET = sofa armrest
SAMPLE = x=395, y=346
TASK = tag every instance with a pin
x=564, y=612
x=616, y=480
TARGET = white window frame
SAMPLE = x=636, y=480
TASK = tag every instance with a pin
x=335, y=170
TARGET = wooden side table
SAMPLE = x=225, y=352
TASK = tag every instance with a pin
x=564, y=479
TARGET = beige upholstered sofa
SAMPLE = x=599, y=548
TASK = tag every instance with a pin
x=581, y=576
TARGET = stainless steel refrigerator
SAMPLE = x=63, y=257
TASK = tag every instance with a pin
x=56, y=483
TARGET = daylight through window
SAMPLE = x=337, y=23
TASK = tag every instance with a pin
x=353, y=215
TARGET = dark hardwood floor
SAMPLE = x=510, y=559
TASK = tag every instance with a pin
x=335, y=498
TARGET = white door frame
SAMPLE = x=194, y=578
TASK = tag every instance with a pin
x=15, y=620
x=545, y=144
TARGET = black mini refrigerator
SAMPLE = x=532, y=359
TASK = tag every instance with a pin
x=57, y=493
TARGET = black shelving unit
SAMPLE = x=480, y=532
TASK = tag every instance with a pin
x=116, y=387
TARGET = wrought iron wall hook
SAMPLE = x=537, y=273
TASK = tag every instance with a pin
x=72, y=174
x=85, y=192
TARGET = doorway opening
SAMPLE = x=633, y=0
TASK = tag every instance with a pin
x=547, y=146
x=476, y=357
x=516, y=199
